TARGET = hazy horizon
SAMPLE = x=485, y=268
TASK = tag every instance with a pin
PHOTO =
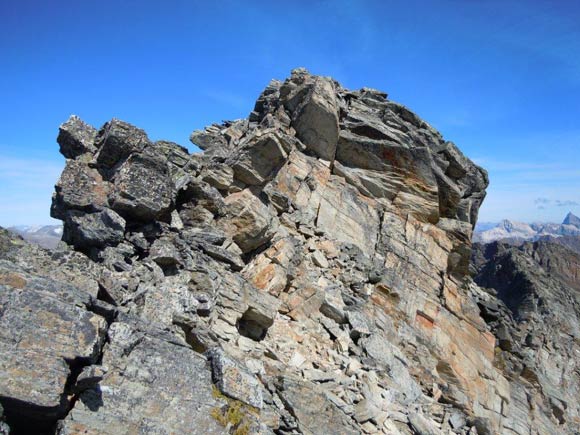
x=499, y=79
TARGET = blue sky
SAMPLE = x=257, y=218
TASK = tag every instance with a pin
x=499, y=78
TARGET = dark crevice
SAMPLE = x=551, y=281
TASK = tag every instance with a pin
x=25, y=418
x=253, y=325
x=76, y=367
x=105, y=296
x=369, y=131
x=169, y=269
x=248, y=256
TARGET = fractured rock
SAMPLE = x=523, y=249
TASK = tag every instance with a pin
x=248, y=221
x=46, y=333
x=152, y=386
x=314, y=108
x=76, y=138
x=117, y=140
x=316, y=252
x=94, y=229
x=143, y=189
x=233, y=380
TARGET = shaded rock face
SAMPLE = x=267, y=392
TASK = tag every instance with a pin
x=532, y=302
x=308, y=273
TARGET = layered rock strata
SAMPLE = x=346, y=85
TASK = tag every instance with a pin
x=308, y=273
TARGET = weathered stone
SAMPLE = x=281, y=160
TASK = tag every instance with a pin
x=80, y=188
x=248, y=221
x=234, y=381
x=333, y=305
x=259, y=160
x=76, y=138
x=45, y=332
x=457, y=420
x=260, y=314
x=209, y=138
x=142, y=188
x=312, y=100
x=224, y=255
x=99, y=229
x=165, y=253
x=117, y=140
x=421, y=425
x=319, y=259
x=313, y=411
x=358, y=323
x=221, y=177
x=152, y=386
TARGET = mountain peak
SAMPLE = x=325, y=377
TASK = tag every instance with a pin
x=571, y=219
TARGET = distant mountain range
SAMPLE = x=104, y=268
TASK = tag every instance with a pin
x=513, y=231
x=46, y=236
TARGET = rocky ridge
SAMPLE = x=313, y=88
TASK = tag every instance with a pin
x=532, y=302
x=308, y=273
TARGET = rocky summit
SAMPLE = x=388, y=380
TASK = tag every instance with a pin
x=307, y=273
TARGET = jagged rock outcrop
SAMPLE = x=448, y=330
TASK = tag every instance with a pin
x=308, y=273
x=532, y=302
x=570, y=242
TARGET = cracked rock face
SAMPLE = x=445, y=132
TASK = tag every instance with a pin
x=308, y=273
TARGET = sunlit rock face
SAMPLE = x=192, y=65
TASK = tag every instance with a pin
x=307, y=273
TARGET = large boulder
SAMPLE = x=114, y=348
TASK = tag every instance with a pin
x=100, y=229
x=117, y=140
x=47, y=334
x=152, y=386
x=314, y=107
x=248, y=221
x=79, y=187
x=143, y=189
x=76, y=138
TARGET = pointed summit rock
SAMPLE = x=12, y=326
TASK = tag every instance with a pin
x=571, y=219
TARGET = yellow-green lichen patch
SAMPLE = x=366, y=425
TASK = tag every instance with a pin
x=233, y=414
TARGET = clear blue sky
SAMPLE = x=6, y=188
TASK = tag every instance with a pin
x=499, y=78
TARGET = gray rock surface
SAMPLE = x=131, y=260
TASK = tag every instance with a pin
x=48, y=333
x=76, y=138
x=308, y=273
x=235, y=381
x=100, y=229
x=152, y=386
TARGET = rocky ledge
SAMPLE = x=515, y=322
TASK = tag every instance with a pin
x=308, y=273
